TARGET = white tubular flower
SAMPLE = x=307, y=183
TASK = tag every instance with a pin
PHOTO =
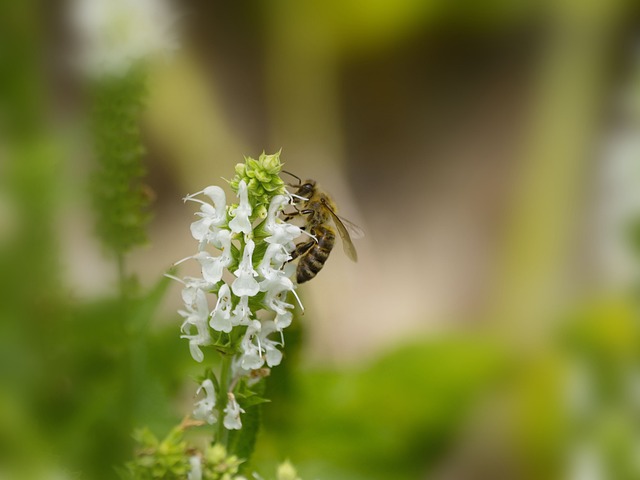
x=274, y=259
x=281, y=233
x=245, y=283
x=205, y=408
x=212, y=215
x=283, y=320
x=232, y=414
x=196, y=315
x=196, y=468
x=251, y=358
x=276, y=287
x=221, y=317
x=273, y=356
x=115, y=34
x=241, y=314
x=241, y=222
x=191, y=287
x=213, y=267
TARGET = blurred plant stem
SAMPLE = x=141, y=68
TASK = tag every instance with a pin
x=538, y=246
x=121, y=201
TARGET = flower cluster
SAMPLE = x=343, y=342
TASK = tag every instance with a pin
x=243, y=250
x=115, y=34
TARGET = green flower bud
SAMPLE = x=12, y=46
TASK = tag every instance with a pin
x=240, y=169
x=215, y=454
x=271, y=163
x=262, y=179
x=286, y=471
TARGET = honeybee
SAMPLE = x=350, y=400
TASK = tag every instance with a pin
x=320, y=210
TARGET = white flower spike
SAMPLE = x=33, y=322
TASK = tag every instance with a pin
x=249, y=268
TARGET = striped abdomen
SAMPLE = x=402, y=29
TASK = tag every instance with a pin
x=313, y=260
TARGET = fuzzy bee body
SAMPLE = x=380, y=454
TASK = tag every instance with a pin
x=314, y=259
x=320, y=212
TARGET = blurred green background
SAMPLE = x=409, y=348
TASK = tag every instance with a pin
x=491, y=152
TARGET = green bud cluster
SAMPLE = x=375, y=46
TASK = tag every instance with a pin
x=262, y=177
x=217, y=465
x=169, y=459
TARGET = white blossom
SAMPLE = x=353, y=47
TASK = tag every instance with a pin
x=191, y=287
x=232, y=413
x=241, y=314
x=221, y=316
x=272, y=355
x=245, y=283
x=205, y=408
x=196, y=316
x=241, y=222
x=258, y=348
x=274, y=258
x=282, y=233
x=252, y=351
x=196, y=468
x=115, y=34
x=213, y=267
x=212, y=215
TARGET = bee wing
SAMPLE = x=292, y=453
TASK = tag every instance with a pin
x=354, y=230
x=347, y=244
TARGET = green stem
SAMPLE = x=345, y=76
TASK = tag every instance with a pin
x=129, y=377
x=122, y=276
x=225, y=376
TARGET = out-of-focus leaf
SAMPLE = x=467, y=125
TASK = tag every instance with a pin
x=391, y=419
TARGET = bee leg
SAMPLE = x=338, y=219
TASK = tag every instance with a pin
x=301, y=250
x=289, y=216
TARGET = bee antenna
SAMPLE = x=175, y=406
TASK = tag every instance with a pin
x=294, y=176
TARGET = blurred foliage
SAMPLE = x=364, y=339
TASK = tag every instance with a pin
x=77, y=376
x=392, y=418
x=362, y=25
x=172, y=459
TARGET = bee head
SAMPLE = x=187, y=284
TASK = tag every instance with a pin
x=307, y=188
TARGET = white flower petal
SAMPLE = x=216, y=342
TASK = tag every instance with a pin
x=196, y=468
x=204, y=409
x=245, y=284
x=240, y=222
x=232, y=414
x=221, y=317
